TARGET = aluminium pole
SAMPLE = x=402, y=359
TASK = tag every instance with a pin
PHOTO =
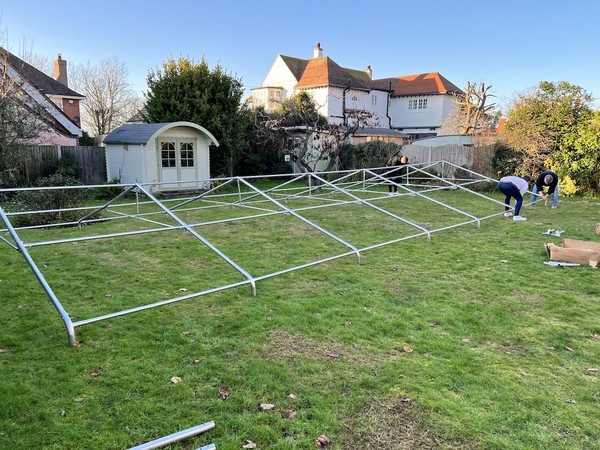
x=49, y=292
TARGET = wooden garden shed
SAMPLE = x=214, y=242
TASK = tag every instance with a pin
x=166, y=153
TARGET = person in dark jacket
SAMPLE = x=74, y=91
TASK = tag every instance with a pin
x=549, y=179
x=395, y=176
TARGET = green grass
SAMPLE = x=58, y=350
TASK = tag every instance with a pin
x=500, y=350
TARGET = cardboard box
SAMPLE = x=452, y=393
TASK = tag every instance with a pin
x=572, y=250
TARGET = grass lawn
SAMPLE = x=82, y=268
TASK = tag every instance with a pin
x=466, y=342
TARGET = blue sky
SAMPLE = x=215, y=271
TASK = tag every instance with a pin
x=512, y=45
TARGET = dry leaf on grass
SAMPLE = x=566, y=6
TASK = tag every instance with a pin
x=596, y=336
x=569, y=349
x=347, y=323
x=466, y=341
x=224, y=392
x=433, y=323
x=175, y=380
x=249, y=444
x=266, y=406
x=570, y=401
x=95, y=373
x=3, y=350
x=333, y=355
x=322, y=442
x=293, y=396
x=289, y=414
x=183, y=290
x=592, y=369
x=76, y=344
x=407, y=349
x=195, y=361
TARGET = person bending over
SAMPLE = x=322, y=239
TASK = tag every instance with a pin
x=514, y=187
x=550, y=179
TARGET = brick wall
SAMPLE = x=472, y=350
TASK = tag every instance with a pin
x=72, y=110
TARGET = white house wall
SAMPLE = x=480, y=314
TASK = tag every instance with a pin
x=331, y=102
x=280, y=76
x=419, y=119
x=125, y=162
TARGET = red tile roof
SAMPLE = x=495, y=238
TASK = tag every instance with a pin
x=324, y=71
x=424, y=83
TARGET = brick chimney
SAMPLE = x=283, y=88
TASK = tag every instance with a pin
x=60, y=71
x=318, y=51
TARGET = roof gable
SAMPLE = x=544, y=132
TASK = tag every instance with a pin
x=295, y=65
x=323, y=71
x=142, y=133
x=37, y=78
x=424, y=83
x=56, y=116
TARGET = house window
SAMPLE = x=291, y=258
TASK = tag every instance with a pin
x=420, y=103
x=167, y=154
x=373, y=100
x=186, y=154
x=354, y=98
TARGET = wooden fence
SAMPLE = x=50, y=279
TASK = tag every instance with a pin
x=36, y=161
x=479, y=159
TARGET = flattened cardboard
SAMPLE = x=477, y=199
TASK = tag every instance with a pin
x=572, y=250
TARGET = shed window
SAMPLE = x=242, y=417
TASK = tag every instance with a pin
x=168, y=154
x=186, y=154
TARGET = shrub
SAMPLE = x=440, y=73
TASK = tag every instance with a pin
x=109, y=192
x=49, y=199
x=368, y=154
x=567, y=186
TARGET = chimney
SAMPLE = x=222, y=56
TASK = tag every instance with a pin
x=318, y=52
x=369, y=72
x=60, y=71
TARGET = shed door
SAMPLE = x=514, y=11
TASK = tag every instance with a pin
x=178, y=161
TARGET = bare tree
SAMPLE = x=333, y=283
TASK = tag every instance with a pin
x=306, y=136
x=110, y=100
x=41, y=62
x=472, y=114
x=22, y=120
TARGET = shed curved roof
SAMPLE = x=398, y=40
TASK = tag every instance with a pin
x=142, y=133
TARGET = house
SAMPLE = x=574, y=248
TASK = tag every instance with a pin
x=60, y=103
x=414, y=105
x=165, y=153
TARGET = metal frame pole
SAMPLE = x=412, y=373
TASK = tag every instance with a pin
x=366, y=202
x=304, y=219
x=61, y=311
x=203, y=240
x=176, y=437
x=419, y=194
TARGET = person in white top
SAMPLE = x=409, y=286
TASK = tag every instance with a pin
x=514, y=187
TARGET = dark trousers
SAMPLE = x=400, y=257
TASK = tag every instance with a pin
x=510, y=190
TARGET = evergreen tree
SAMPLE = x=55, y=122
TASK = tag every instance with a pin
x=184, y=90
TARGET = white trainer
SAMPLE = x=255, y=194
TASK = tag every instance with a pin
x=507, y=214
x=519, y=218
